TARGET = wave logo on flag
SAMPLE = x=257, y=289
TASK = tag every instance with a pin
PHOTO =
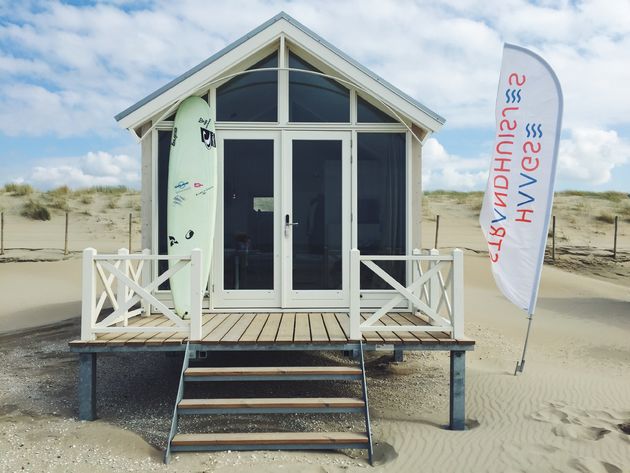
x=517, y=203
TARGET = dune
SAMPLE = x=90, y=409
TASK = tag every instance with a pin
x=565, y=413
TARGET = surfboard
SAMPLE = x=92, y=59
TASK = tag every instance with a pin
x=192, y=194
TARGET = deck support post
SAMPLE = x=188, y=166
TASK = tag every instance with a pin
x=457, y=409
x=87, y=386
x=399, y=355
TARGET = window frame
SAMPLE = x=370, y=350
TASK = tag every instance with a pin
x=371, y=298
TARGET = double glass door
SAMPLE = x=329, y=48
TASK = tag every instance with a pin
x=283, y=236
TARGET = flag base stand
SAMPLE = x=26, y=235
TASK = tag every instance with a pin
x=520, y=365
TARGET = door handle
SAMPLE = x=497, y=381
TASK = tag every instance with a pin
x=288, y=224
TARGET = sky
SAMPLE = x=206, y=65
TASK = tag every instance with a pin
x=66, y=68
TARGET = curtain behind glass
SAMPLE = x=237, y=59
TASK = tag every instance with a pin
x=381, y=203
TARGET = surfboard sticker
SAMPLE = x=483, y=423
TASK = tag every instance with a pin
x=192, y=194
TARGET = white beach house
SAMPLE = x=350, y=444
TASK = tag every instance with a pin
x=318, y=223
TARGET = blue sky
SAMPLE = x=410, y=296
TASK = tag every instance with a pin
x=66, y=68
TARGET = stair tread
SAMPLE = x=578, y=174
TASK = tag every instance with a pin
x=270, y=438
x=274, y=371
x=298, y=402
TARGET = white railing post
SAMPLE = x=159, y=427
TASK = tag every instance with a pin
x=434, y=286
x=355, y=294
x=196, y=294
x=121, y=287
x=146, y=280
x=88, y=310
x=415, y=275
x=458, y=293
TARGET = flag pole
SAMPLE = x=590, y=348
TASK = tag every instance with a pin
x=520, y=365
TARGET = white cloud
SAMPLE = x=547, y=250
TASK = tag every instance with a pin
x=98, y=59
x=94, y=169
x=591, y=155
x=441, y=170
x=66, y=70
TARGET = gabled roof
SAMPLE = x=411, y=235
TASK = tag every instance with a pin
x=184, y=85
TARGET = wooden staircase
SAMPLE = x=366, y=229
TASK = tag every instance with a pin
x=195, y=442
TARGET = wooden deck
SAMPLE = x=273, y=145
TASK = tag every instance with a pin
x=300, y=330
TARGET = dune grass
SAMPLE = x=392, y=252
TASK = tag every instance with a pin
x=35, y=211
x=110, y=190
x=18, y=190
x=612, y=196
x=605, y=217
x=59, y=191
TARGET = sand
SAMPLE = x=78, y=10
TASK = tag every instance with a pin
x=564, y=414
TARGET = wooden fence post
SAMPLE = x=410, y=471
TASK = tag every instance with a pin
x=437, y=229
x=1, y=233
x=65, y=245
x=553, y=239
x=615, y=241
x=129, y=247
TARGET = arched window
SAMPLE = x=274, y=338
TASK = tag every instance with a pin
x=314, y=98
x=251, y=97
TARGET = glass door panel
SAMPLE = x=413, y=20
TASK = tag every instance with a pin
x=248, y=241
x=317, y=210
x=248, y=214
x=316, y=219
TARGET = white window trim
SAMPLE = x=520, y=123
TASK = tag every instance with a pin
x=370, y=298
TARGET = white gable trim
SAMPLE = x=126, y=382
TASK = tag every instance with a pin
x=263, y=38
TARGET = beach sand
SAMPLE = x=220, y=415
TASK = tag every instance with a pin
x=568, y=412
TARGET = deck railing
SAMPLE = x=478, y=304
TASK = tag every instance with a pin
x=438, y=298
x=126, y=281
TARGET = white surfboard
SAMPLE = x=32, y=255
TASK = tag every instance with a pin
x=192, y=193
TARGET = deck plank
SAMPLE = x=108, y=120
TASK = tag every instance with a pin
x=141, y=338
x=318, y=329
x=302, y=328
x=222, y=328
x=405, y=336
x=214, y=320
x=441, y=337
x=270, y=330
x=373, y=337
x=123, y=338
x=333, y=329
x=420, y=337
x=344, y=323
x=255, y=328
x=389, y=337
x=104, y=338
x=287, y=328
x=159, y=338
x=238, y=329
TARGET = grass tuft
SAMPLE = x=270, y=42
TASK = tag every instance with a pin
x=35, y=211
x=59, y=191
x=111, y=190
x=18, y=189
x=113, y=203
x=605, y=217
